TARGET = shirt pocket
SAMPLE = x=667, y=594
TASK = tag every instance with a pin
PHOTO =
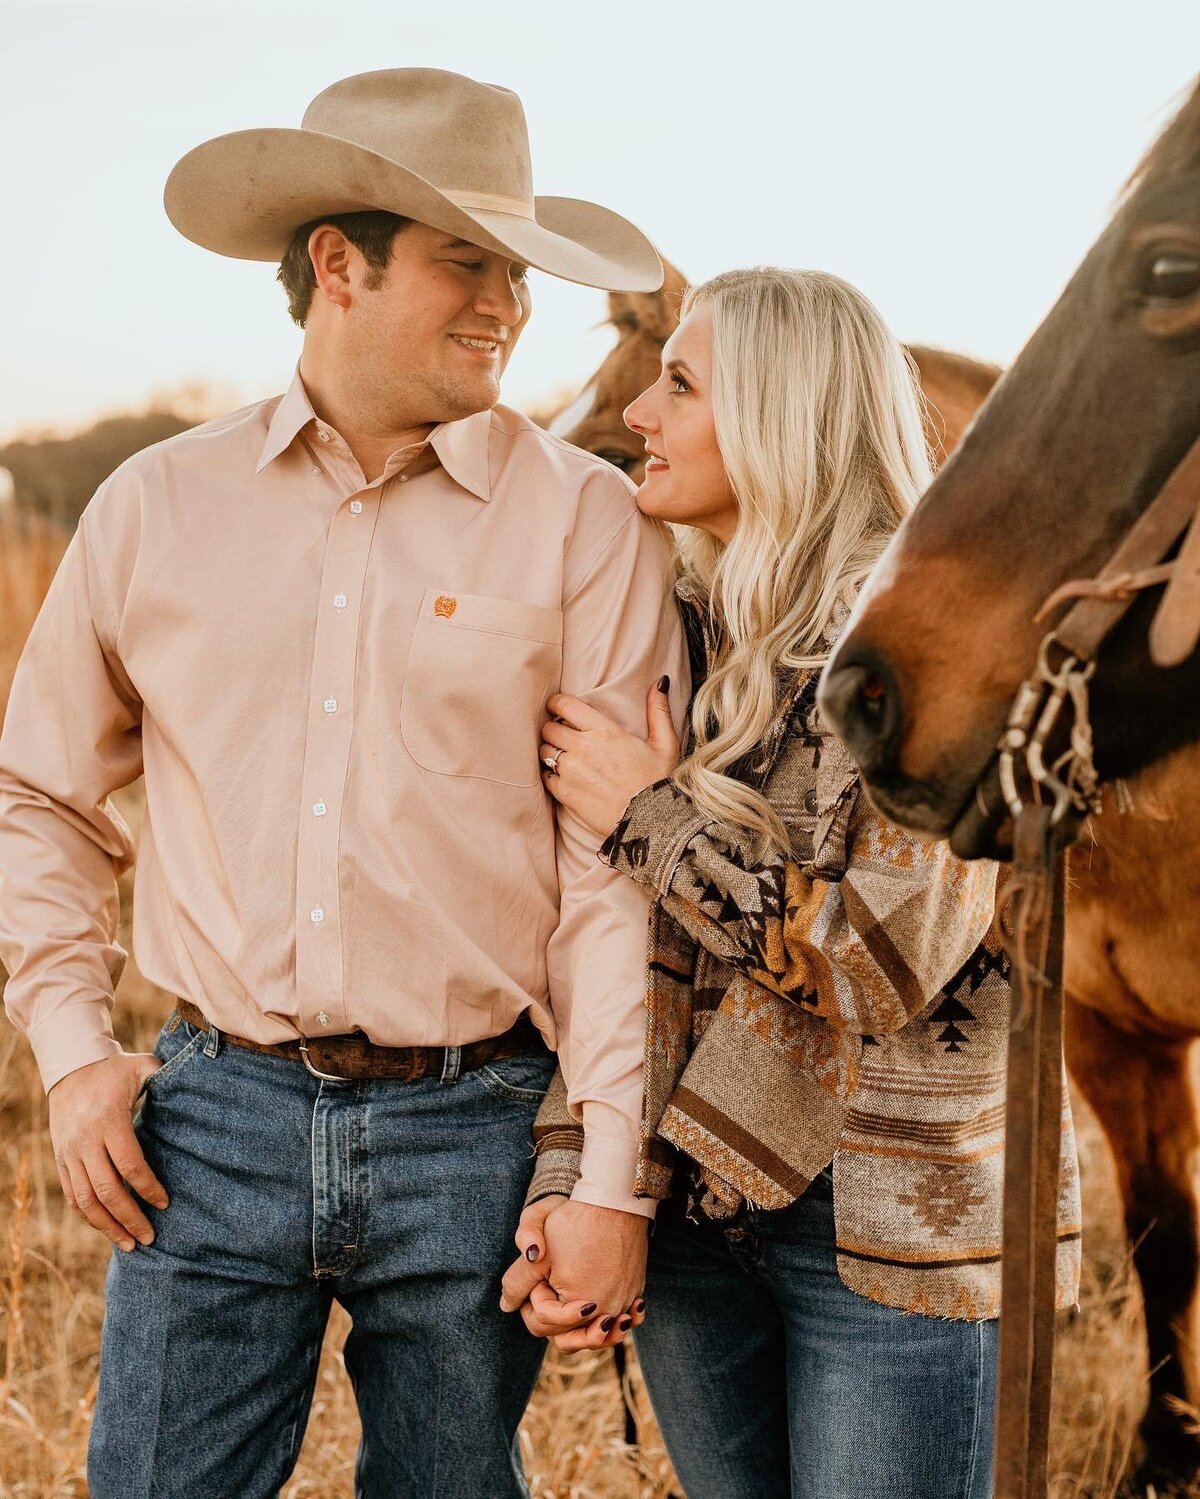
x=479, y=673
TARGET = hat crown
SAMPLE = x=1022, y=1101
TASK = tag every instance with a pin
x=461, y=136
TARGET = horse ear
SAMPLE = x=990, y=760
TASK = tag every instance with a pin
x=655, y=313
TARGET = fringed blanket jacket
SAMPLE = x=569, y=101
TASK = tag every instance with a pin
x=847, y=1003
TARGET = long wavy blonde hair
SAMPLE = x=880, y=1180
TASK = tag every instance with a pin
x=818, y=419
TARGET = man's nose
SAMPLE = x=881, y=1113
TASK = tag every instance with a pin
x=860, y=700
x=499, y=300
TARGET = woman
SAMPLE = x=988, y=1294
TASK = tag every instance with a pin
x=827, y=1007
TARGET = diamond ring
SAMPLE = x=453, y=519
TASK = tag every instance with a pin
x=551, y=762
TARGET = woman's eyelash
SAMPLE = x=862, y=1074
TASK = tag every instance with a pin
x=680, y=384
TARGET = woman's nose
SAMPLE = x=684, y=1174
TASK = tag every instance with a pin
x=638, y=416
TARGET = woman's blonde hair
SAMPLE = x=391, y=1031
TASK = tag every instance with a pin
x=818, y=419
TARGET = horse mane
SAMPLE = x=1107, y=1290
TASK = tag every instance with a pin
x=1174, y=149
x=976, y=375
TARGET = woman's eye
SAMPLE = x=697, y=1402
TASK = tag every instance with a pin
x=1172, y=276
x=679, y=385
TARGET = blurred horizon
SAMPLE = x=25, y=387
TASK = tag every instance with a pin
x=956, y=166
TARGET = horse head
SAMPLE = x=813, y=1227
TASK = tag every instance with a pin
x=1073, y=444
x=644, y=321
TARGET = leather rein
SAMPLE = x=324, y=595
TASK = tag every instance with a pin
x=1033, y=911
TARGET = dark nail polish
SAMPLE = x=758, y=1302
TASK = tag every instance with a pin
x=626, y=1323
x=608, y=1324
x=586, y=1311
x=533, y=1253
x=664, y=684
x=639, y=1306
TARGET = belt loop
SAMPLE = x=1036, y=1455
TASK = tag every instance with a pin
x=213, y=1041
x=450, y=1067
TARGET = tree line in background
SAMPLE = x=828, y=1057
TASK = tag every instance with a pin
x=55, y=477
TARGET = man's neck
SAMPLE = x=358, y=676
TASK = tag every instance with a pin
x=371, y=444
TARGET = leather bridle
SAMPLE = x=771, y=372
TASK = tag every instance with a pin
x=1033, y=917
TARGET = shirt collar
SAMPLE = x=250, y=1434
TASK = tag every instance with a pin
x=291, y=416
x=461, y=447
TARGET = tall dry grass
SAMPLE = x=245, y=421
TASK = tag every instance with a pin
x=573, y=1437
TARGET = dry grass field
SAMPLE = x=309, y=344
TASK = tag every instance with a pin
x=52, y=1267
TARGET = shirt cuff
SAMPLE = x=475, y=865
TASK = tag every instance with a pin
x=649, y=841
x=607, y=1171
x=71, y=1037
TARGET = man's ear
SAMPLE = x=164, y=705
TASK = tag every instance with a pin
x=330, y=253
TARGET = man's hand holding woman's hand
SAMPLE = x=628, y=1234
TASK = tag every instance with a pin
x=580, y=1275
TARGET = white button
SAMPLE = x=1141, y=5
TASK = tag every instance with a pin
x=323, y=433
x=322, y=1018
x=355, y=507
x=316, y=914
x=331, y=705
x=316, y=470
x=319, y=809
x=339, y=601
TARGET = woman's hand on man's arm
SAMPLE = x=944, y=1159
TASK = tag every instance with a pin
x=599, y=768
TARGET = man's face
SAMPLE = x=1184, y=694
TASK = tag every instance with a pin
x=432, y=338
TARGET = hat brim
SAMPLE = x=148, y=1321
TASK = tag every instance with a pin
x=245, y=195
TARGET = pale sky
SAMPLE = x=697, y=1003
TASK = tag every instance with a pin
x=955, y=160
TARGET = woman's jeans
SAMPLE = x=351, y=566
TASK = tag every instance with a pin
x=397, y=1199
x=771, y=1380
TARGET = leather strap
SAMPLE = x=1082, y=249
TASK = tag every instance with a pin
x=1033, y=1146
x=1175, y=629
x=1132, y=566
x=355, y=1058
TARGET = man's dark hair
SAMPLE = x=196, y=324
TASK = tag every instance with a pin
x=371, y=233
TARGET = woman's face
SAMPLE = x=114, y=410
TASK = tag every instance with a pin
x=685, y=478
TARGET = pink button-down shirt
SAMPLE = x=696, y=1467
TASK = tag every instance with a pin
x=335, y=690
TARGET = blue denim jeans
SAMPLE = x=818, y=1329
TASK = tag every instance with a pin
x=771, y=1380
x=399, y=1200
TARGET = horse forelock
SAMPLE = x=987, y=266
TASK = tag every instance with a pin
x=1175, y=149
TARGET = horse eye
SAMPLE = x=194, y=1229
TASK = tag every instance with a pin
x=623, y=461
x=1172, y=276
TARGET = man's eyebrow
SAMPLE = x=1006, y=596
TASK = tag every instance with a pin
x=458, y=244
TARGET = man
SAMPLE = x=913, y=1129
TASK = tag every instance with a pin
x=326, y=628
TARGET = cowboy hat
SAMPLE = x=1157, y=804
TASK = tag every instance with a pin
x=425, y=144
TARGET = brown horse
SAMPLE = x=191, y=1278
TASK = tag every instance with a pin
x=1075, y=442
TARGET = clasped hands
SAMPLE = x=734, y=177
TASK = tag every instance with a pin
x=579, y=1278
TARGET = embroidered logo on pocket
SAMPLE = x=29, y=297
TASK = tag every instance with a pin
x=444, y=606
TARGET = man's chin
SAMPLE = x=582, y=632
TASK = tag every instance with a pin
x=470, y=400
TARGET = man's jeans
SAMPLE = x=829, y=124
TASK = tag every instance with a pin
x=397, y=1199
x=771, y=1380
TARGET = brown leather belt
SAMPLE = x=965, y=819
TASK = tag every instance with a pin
x=353, y=1058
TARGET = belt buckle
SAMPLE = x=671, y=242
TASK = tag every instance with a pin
x=326, y=1077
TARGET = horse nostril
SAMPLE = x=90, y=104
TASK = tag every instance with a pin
x=859, y=701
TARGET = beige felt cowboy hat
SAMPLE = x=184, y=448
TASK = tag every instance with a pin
x=429, y=145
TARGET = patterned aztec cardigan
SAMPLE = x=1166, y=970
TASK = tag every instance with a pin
x=847, y=1004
